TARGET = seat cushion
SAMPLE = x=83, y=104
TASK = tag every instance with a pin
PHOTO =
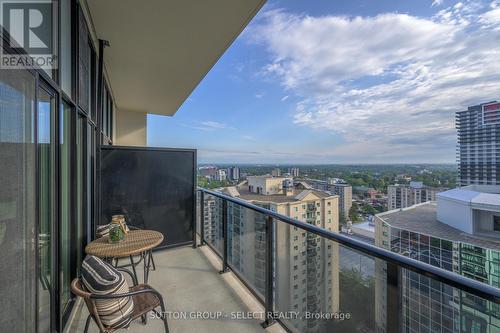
x=100, y=278
x=103, y=230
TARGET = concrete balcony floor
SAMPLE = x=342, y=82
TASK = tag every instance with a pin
x=189, y=280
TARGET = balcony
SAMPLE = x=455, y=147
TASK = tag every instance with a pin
x=190, y=283
x=53, y=196
x=379, y=298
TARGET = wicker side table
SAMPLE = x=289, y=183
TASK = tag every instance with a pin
x=137, y=242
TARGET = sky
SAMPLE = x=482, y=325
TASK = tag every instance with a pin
x=334, y=81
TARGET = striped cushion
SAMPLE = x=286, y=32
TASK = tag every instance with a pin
x=103, y=230
x=101, y=278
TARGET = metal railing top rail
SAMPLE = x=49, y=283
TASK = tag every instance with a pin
x=466, y=284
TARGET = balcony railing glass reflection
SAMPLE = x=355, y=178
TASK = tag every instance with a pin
x=321, y=283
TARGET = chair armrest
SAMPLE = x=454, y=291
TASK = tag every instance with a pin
x=134, y=279
x=146, y=290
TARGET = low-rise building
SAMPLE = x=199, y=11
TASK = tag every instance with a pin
x=402, y=195
x=276, y=172
x=221, y=175
x=207, y=171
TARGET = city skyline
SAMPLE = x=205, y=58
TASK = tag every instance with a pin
x=287, y=80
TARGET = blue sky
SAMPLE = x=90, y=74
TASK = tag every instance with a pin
x=342, y=82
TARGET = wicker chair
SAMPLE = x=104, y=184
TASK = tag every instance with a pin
x=145, y=299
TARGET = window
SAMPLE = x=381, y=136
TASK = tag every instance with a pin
x=84, y=62
x=496, y=223
x=65, y=61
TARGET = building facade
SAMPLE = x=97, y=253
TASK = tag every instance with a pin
x=207, y=171
x=429, y=305
x=233, y=173
x=344, y=191
x=402, y=196
x=478, y=149
x=294, y=172
x=56, y=116
x=337, y=187
x=276, y=172
x=221, y=175
x=307, y=267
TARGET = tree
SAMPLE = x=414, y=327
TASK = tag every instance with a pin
x=354, y=212
x=368, y=209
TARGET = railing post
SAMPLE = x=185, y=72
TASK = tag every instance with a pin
x=269, y=297
x=195, y=223
x=202, y=218
x=394, y=305
x=225, y=267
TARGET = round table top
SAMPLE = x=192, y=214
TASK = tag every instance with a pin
x=135, y=242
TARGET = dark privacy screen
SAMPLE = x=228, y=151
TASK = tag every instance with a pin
x=153, y=187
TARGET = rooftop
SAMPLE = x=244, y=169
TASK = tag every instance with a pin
x=422, y=219
x=479, y=195
x=245, y=194
x=417, y=185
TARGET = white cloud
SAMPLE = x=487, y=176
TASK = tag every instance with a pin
x=436, y=3
x=388, y=82
x=259, y=95
x=210, y=126
x=284, y=98
x=492, y=17
x=248, y=137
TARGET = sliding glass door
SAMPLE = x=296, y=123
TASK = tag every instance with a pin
x=46, y=212
x=65, y=193
x=80, y=148
x=17, y=201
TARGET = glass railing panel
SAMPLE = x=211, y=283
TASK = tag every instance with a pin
x=323, y=286
x=428, y=305
x=212, y=222
x=247, y=246
x=320, y=285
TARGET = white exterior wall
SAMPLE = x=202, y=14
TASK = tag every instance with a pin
x=456, y=214
x=483, y=223
x=267, y=185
